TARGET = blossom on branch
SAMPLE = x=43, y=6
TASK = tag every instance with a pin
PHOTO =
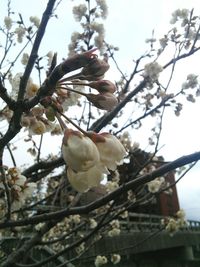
x=191, y=81
x=37, y=127
x=155, y=185
x=105, y=101
x=20, y=189
x=79, y=11
x=115, y=258
x=172, y=225
x=79, y=152
x=20, y=32
x=182, y=14
x=95, y=70
x=35, y=20
x=103, y=86
x=115, y=231
x=110, y=149
x=8, y=22
x=89, y=157
x=83, y=181
x=103, y=8
x=100, y=260
x=152, y=71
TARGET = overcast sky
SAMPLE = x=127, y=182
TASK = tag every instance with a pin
x=128, y=24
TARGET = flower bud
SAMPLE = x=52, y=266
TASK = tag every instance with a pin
x=110, y=149
x=79, y=152
x=78, y=60
x=50, y=113
x=103, y=86
x=106, y=101
x=95, y=69
x=83, y=181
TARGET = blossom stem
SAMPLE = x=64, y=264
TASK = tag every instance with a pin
x=74, y=83
x=61, y=122
x=74, y=124
x=75, y=76
x=72, y=90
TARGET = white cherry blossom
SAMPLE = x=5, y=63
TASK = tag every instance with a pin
x=100, y=260
x=115, y=258
x=79, y=152
x=83, y=181
x=110, y=149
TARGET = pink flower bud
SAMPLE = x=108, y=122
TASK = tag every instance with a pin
x=90, y=53
x=106, y=101
x=78, y=60
x=103, y=86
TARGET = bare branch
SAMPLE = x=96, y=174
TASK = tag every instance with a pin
x=34, y=52
x=103, y=200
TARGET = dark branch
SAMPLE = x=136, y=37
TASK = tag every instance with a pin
x=34, y=52
x=104, y=200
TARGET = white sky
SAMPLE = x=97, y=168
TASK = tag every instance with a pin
x=128, y=24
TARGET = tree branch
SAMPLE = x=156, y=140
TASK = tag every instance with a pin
x=34, y=52
x=133, y=184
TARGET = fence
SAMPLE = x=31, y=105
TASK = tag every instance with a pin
x=147, y=222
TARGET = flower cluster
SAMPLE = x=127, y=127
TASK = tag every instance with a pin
x=60, y=230
x=190, y=84
x=191, y=81
x=36, y=120
x=37, y=124
x=103, y=9
x=188, y=33
x=35, y=20
x=94, y=73
x=20, y=189
x=155, y=185
x=31, y=88
x=113, y=183
x=8, y=22
x=81, y=13
x=100, y=260
x=152, y=71
x=172, y=225
x=89, y=157
x=180, y=14
x=115, y=231
x=20, y=31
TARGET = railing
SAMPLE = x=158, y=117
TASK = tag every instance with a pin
x=137, y=222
